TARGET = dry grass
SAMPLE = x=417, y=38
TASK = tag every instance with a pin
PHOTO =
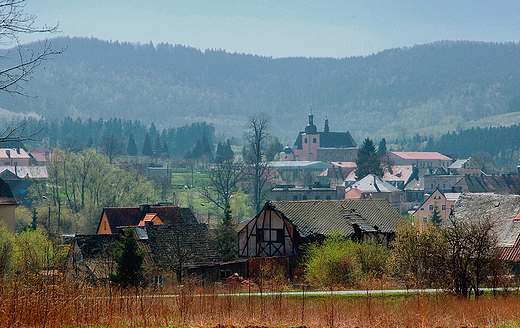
x=62, y=305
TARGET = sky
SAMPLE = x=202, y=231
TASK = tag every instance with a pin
x=324, y=28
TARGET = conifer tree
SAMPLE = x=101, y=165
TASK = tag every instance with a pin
x=131, y=148
x=147, y=149
x=90, y=143
x=227, y=237
x=129, y=262
x=368, y=161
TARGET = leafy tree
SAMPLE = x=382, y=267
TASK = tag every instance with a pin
x=34, y=252
x=131, y=148
x=368, y=161
x=147, y=149
x=226, y=237
x=418, y=255
x=332, y=263
x=129, y=260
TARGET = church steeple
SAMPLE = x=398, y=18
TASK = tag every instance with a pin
x=326, y=129
x=311, y=128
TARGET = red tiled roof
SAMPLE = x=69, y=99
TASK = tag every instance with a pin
x=421, y=155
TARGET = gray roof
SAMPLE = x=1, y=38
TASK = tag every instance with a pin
x=324, y=217
x=372, y=183
x=502, y=209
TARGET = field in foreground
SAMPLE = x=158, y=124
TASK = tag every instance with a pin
x=189, y=306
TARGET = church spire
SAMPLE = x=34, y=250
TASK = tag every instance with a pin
x=311, y=128
x=326, y=129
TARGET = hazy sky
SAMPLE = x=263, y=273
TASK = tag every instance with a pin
x=321, y=28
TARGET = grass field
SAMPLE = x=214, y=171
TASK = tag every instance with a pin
x=62, y=305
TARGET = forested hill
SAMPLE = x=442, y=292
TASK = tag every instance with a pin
x=395, y=91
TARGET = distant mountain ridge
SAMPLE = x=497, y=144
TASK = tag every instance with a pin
x=393, y=92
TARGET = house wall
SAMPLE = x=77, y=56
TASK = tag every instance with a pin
x=7, y=215
x=104, y=227
x=444, y=206
x=266, y=235
x=441, y=182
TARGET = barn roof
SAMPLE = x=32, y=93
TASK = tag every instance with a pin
x=324, y=217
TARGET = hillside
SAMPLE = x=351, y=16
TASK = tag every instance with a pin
x=392, y=93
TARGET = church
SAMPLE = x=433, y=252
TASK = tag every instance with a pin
x=326, y=146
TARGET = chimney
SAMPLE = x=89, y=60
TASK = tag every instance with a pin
x=144, y=208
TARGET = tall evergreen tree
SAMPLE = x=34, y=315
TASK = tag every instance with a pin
x=165, y=152
x=226, y=237
x=129, y=260
x=147, y=149
x=90, y=143
x=131, y=148
x=368, y=161
x=381, y=150
x=157, y=147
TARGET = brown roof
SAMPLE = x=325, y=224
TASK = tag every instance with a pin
x=131, y=216
x=323, y=217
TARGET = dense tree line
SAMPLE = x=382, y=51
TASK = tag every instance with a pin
x=118, y=136
x=498, y=146
x=388, y=92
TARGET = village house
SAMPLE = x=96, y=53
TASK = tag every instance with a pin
x=306, y=193
x=504, y=211
x=281, y=228
x=298, y=173
x=171, y=236
x=7, y=205
x=14, y=157
x=420, y=160
x=372, y=187
x=442, y=202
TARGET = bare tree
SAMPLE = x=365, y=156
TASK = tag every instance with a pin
x=111, y=146
x=19, y=63
x=254, y=156
x=14, y=22
x=222, y=183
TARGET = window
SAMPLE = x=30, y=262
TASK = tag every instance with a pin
x=273, y=235
x=158, y=281
x=431, y=207
x=224, y=274
x=328, y=197
x=305, y=140
x=443, y=207
x=304, y=197
x=317, y=197
x=294, y=197
x=313, y=140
